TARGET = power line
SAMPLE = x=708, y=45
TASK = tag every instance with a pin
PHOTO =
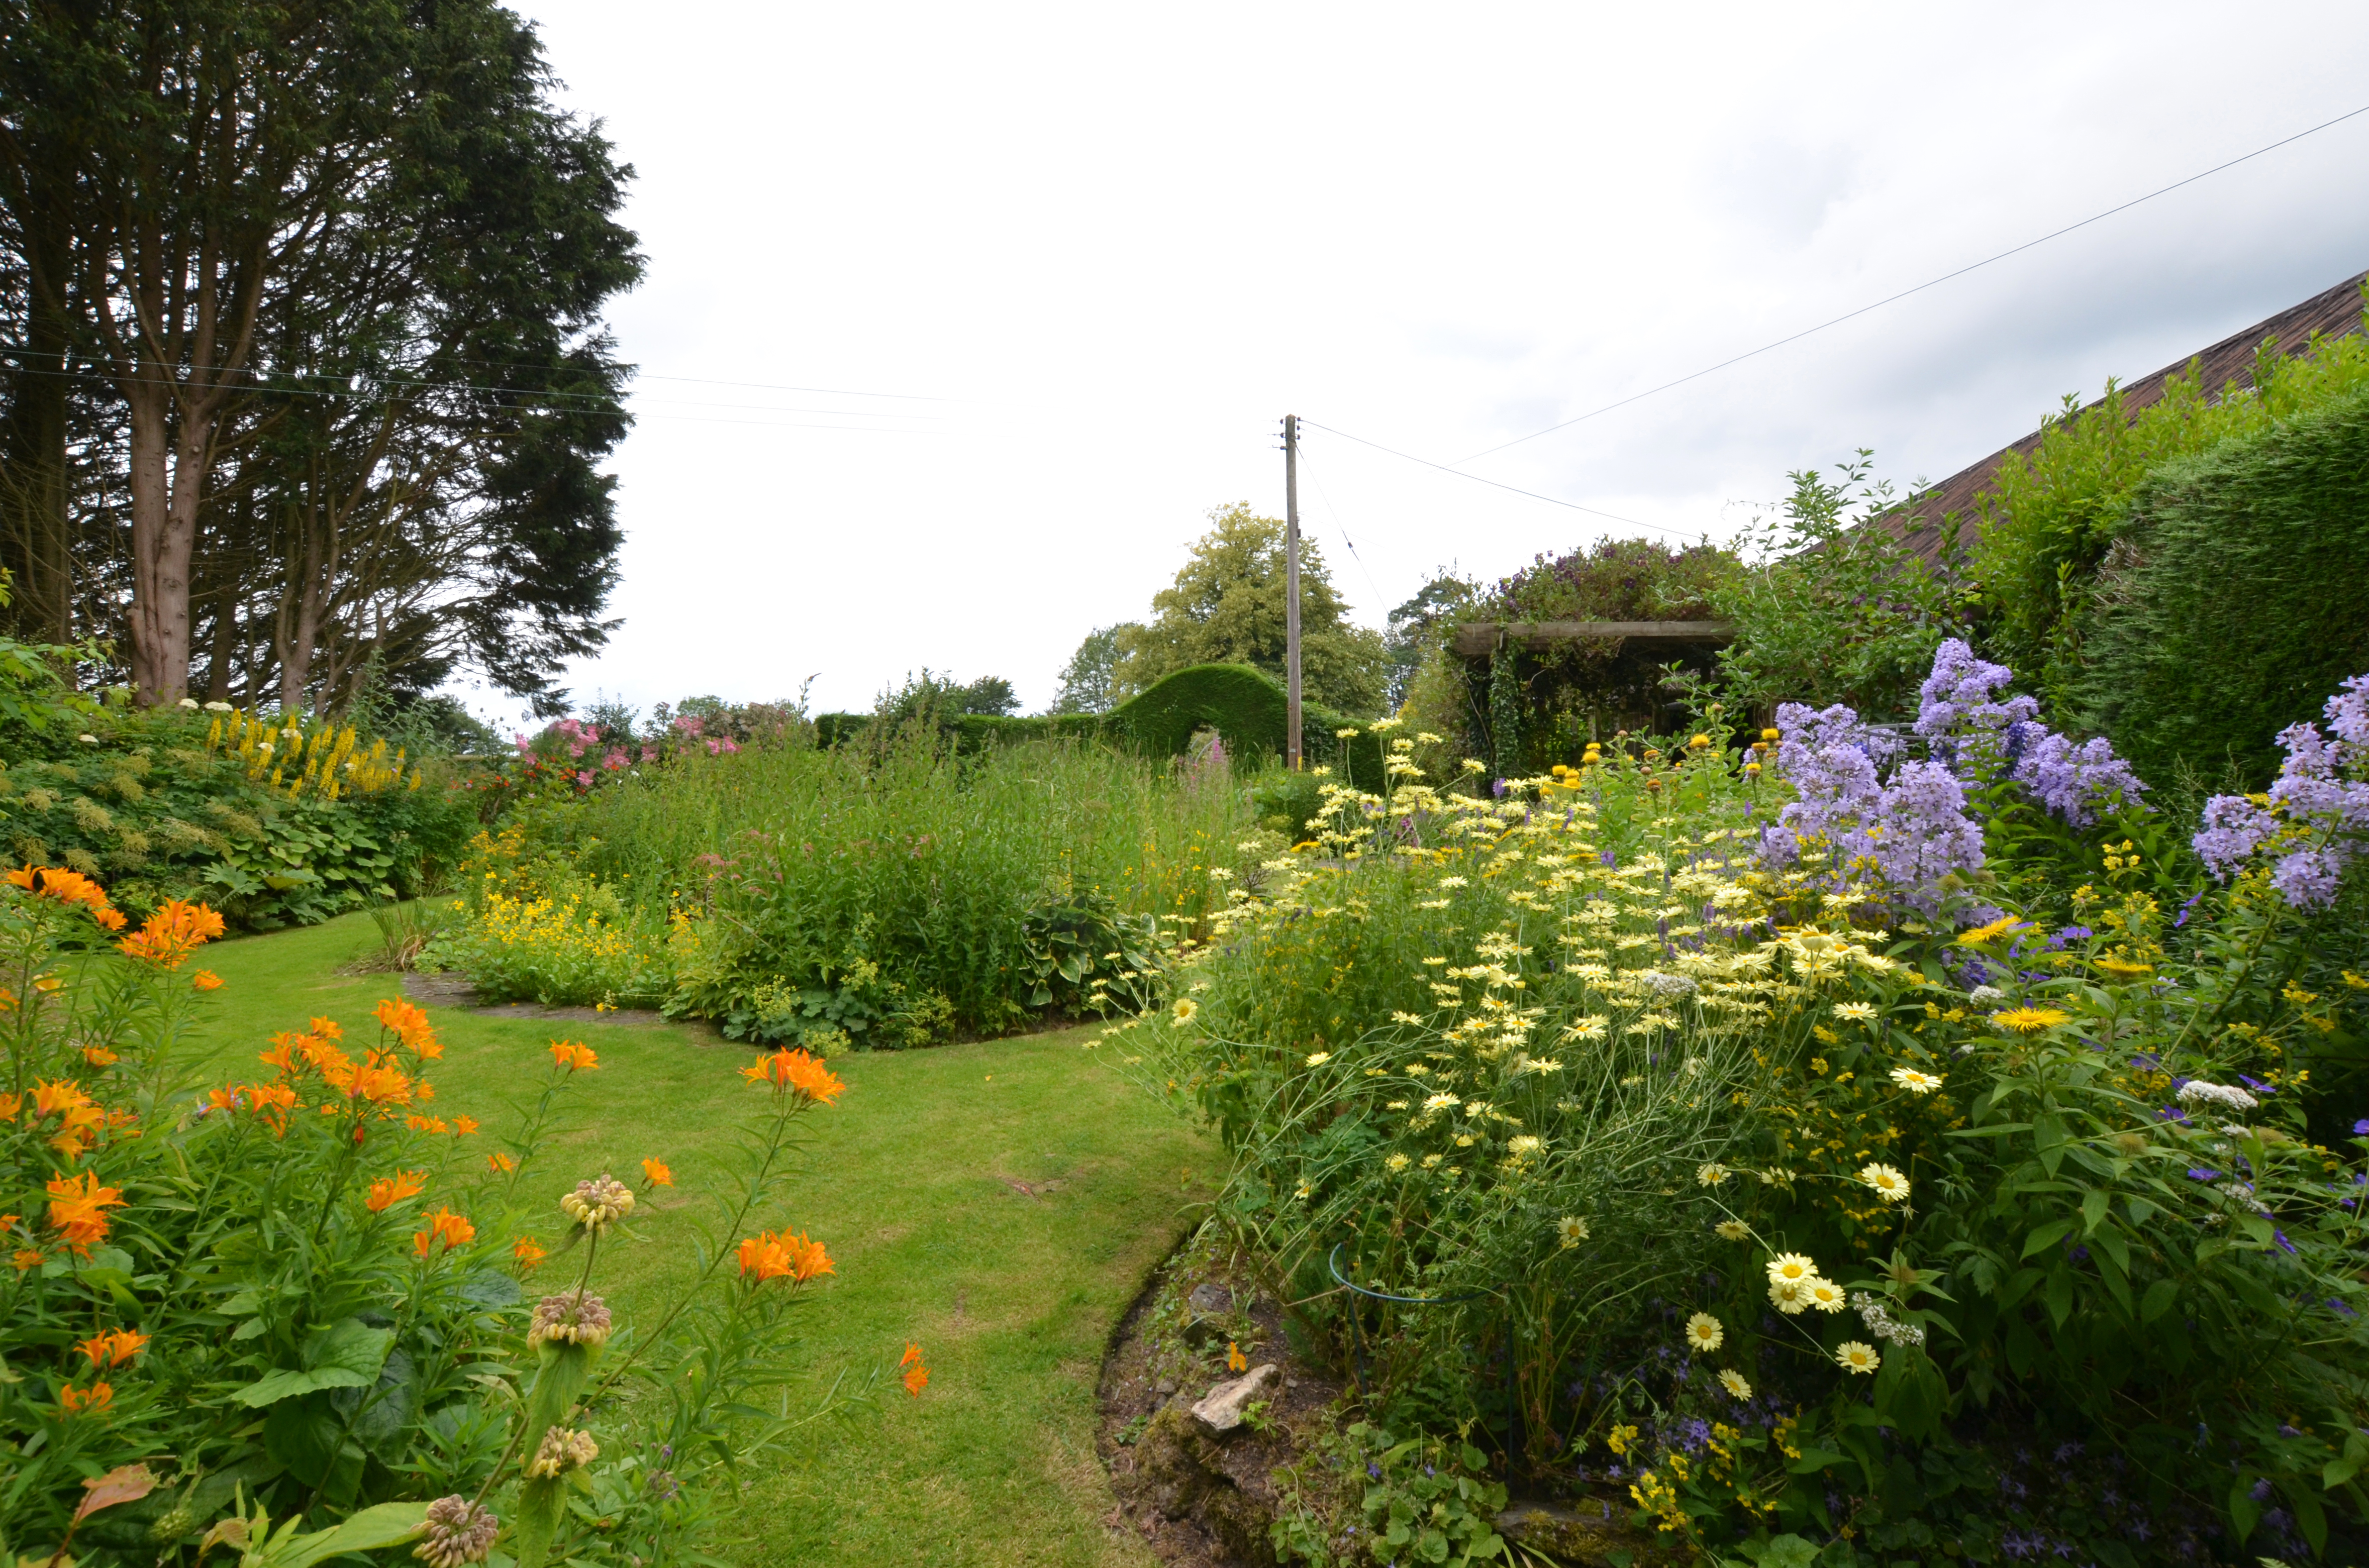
x=1343, y=529
x=559, y=368
x=1478, y=479
x=555, y=399
x=1903, y=293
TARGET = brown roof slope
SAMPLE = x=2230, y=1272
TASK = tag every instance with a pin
x=2335, y=312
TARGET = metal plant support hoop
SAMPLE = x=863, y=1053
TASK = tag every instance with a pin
x=1357, y=1333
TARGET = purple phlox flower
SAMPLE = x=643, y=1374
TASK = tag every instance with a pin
x=2341, y=1307
x=2185, y=910
x=2348, y=716
x=2079, y=1254
x=2256, y=1085
x=2234, y=828
x=1498, y=788
x=2200, y=1173
x=2315, y=817
x=1904, y=837
x=2284, y=1245
x=1609, y=858
x=2287, y=1431
x=2076, y=782
x=1961, y=695
x=2171, y=1113
x=2261, y=1491
x=2068, y=936
x=2360, y=1128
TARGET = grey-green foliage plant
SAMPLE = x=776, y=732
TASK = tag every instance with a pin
x=2232, y=601
x=1837, y=607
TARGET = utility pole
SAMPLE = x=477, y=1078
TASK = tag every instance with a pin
x=1291, y=589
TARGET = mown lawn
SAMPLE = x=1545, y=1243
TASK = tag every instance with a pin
x=915, y=1181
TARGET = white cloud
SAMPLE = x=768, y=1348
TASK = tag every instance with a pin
x=1123, y=241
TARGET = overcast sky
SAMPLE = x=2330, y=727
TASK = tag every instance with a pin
x=1046, y=278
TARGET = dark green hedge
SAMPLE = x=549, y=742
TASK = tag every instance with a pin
x=2236, y=598
x=1246, y=706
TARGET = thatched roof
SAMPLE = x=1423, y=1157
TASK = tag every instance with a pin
x=2334, y=312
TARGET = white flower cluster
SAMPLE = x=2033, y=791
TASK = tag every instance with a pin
x=2196, y=1092
x=1883, y=1325
x=1662, y=983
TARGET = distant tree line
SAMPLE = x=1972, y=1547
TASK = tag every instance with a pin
x=304, y=376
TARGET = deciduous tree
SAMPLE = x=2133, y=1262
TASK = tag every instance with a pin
x=1227, y=606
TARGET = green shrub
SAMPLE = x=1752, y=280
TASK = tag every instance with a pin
x=1836, y=607
x=1245, y=707
x=2050, y=517
x=2232, y=603
x=894, y=895
x=177, y=803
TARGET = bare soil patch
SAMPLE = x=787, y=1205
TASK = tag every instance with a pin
x=1195, y=1500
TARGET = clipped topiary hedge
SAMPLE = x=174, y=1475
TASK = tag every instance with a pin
x=1247, y=708
x=2234, y=600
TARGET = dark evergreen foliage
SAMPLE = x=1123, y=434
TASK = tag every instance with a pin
x=2231, y=603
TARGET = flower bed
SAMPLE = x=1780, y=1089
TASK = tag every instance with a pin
x=308, y=1294
x=1793, y=1142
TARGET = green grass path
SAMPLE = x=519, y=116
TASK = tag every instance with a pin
x=910, y=1182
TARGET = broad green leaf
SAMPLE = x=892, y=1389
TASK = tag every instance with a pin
x=2046, y=1237
x=353, y=1345
x=366, y=1531
x=273, y=1387
x=2059, y=1294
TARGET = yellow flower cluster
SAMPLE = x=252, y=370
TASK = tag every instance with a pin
x=307, y=756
